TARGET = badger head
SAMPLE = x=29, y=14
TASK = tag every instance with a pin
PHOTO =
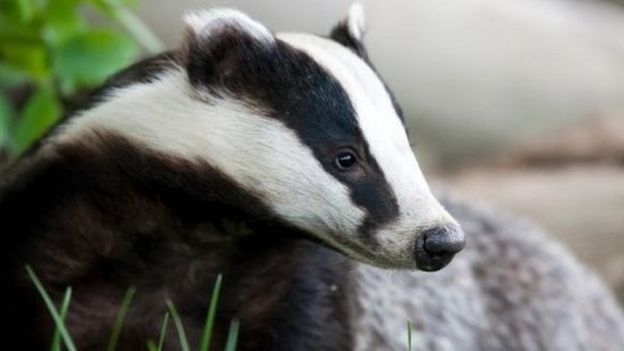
x=304, y=123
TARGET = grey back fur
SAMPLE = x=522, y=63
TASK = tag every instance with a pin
x=512, y=288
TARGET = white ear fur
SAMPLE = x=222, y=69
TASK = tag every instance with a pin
x=206, y=22
x=356, y=21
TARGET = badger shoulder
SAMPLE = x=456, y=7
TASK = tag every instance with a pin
x=512, y=288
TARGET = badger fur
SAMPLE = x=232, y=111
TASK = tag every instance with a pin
x=281, y=162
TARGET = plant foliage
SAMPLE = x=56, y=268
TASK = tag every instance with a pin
x=61, y=332
x=49, y=52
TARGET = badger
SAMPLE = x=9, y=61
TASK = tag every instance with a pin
x=280, y=161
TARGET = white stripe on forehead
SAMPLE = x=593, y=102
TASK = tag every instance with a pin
x=378, y=121
x=258, y=152
x=362, y=85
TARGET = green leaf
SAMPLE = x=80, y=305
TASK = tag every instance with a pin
x=63, y=21
x=6, y=114
x=39, y=114
x=12, y=30
x=25, y=9
x=27, y=57
x=69, y=343
x=89, y=58
x=11, y=77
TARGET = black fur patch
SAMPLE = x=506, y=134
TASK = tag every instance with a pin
x=289, y=85
x=342, y=35
x=104, y=214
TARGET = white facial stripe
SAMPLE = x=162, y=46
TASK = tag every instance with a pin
x=381, y=127
x=258, y=152
x=263, y=155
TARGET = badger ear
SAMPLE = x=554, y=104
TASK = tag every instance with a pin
x=220, y=40
x=350, y=31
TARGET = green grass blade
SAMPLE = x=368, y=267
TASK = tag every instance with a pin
x=204, y=345
x=56, y=339
x=184, y=345
x=119, y=319
x=60, y=325
x=163, y=332
x=409, y=335
x=151, y=345
x=232, y=337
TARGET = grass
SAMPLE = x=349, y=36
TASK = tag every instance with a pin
x=62, y=334
x=232, y=338
x=161, y=340
x=177, y=321
x=409, y=335
x=56, y=339
x=212, y=311
x=58, y=321
x=119, y=319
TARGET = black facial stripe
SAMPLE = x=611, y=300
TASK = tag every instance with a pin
x=289, y=85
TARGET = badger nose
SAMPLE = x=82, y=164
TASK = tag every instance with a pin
x=436, y=247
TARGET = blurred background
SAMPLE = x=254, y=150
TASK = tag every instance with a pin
x=515, y=103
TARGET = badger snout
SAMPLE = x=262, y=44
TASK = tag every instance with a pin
x=435, y=247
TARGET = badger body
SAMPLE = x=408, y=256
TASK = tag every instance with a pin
x=280, y=162
x=512, y=288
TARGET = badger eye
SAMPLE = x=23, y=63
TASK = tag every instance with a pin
x=345, y=160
